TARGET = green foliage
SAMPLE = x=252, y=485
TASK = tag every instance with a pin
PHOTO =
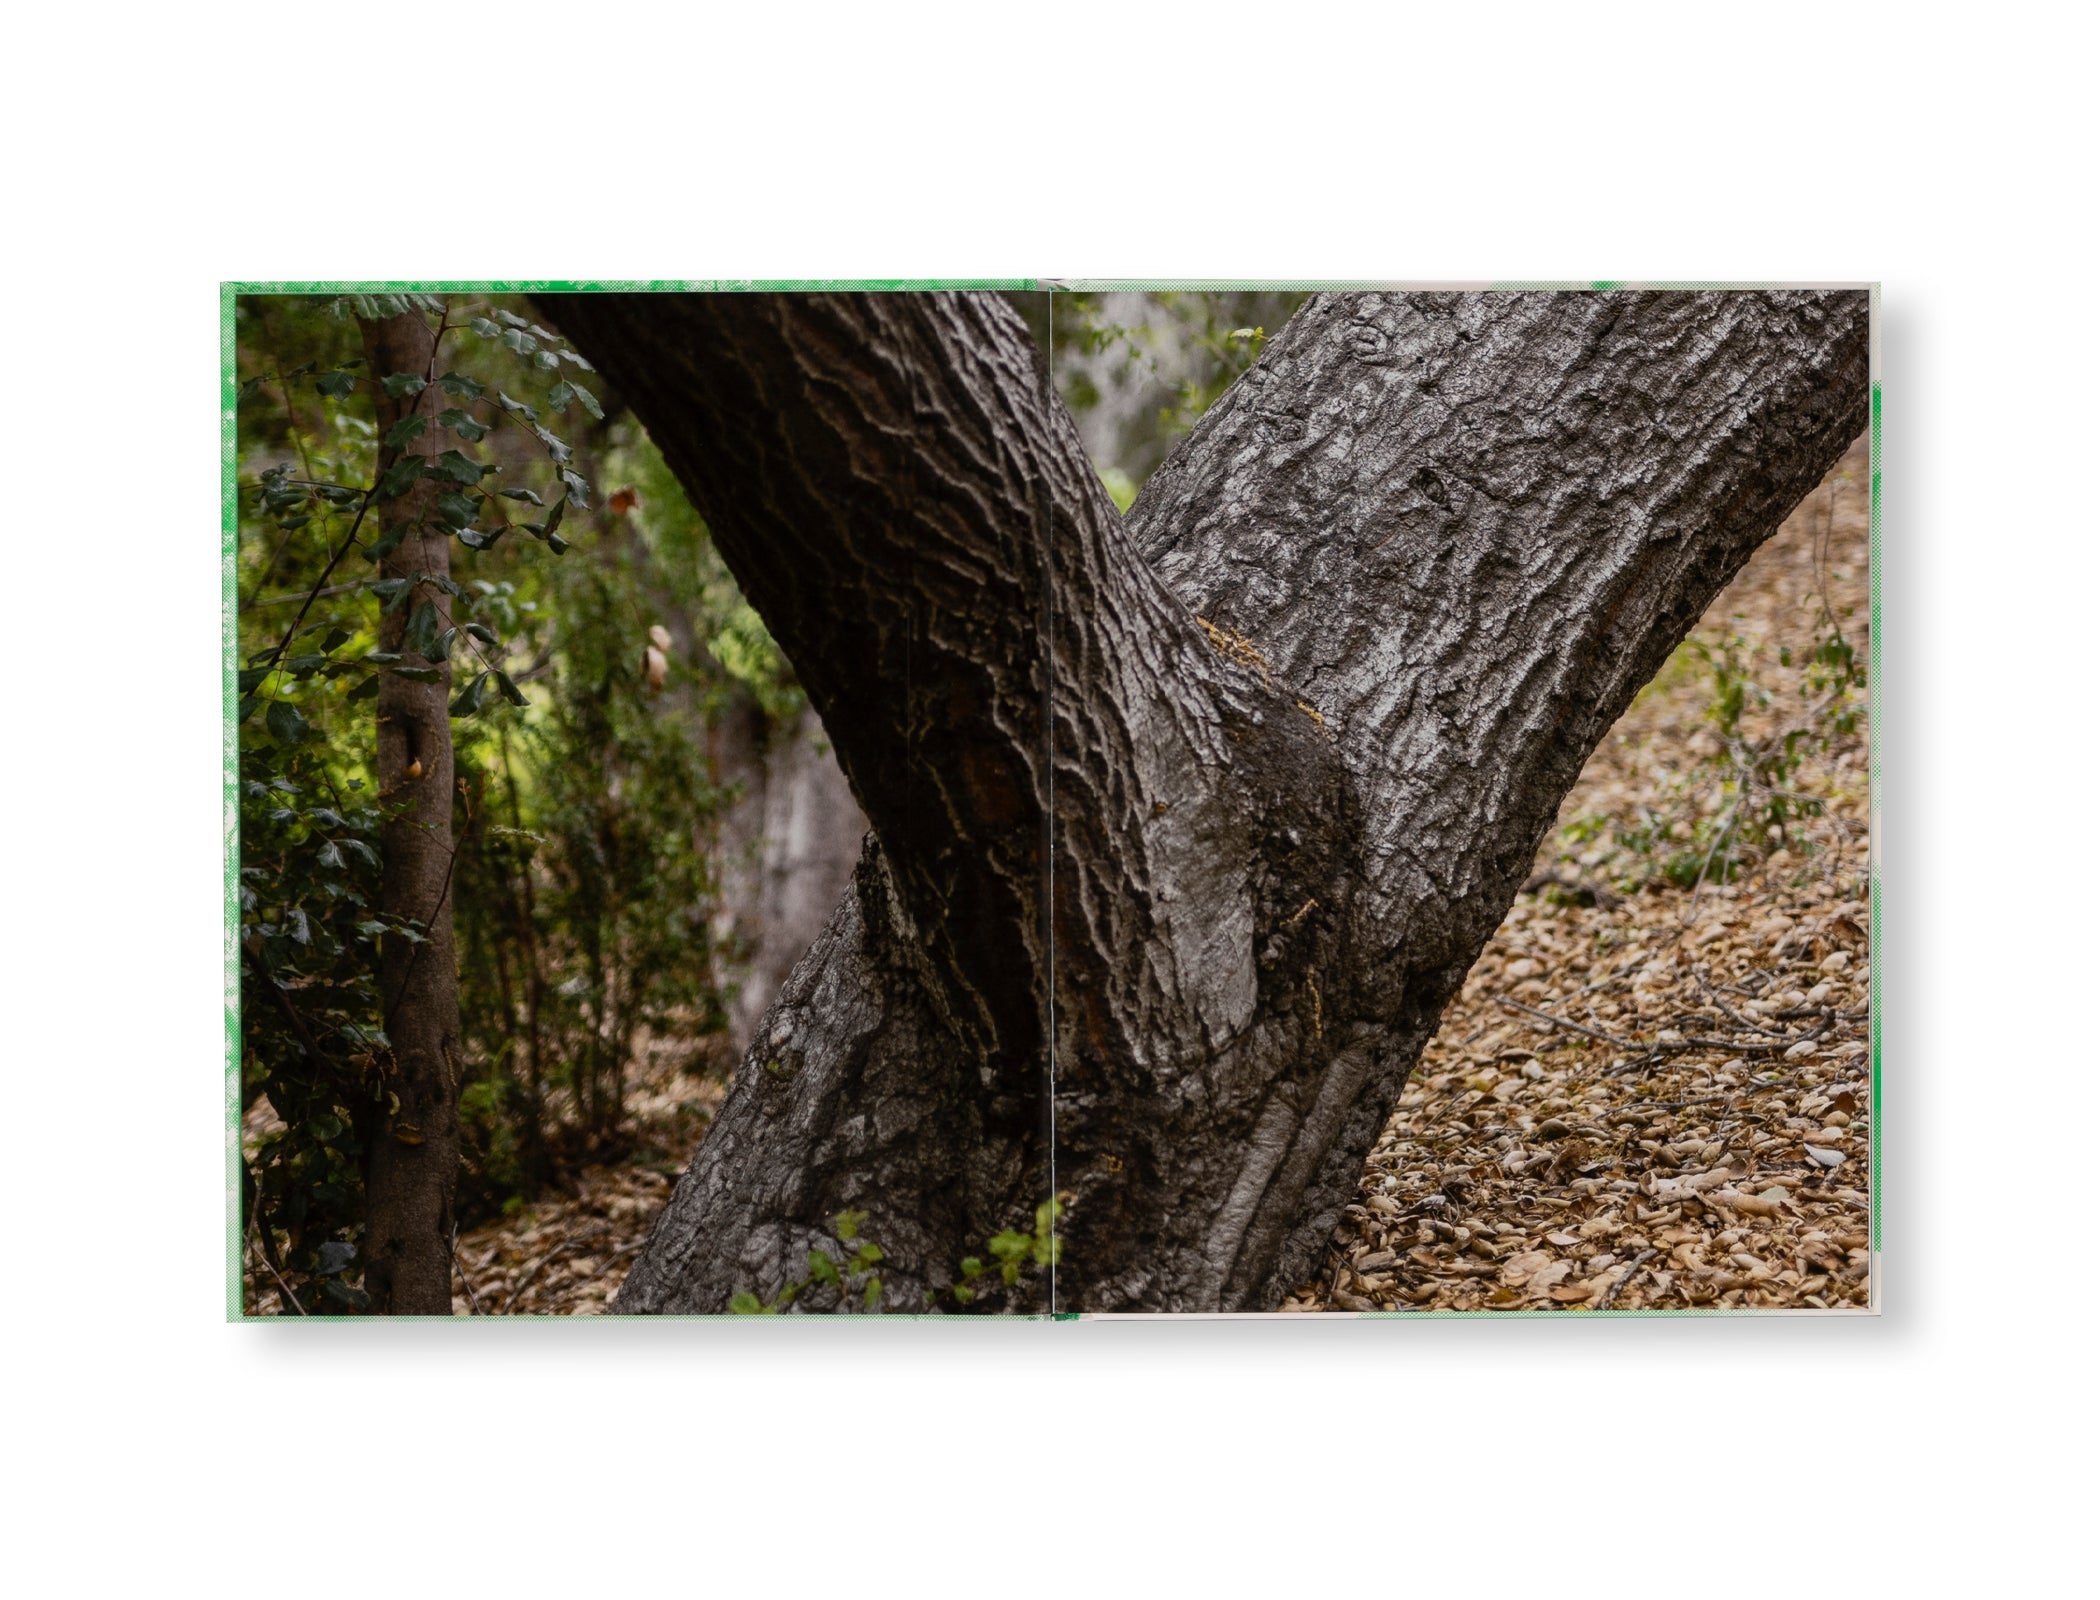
x=1741, y=801
x=312, y=1030
x=1163, y=358
x=734, y=638
x=852, y=1271
x=319, y=494
x=1015, y=1252
x=585, y=916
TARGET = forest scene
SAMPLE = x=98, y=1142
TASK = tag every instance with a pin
x=1019, y=802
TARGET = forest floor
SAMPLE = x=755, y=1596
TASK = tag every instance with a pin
x=1644, y=1097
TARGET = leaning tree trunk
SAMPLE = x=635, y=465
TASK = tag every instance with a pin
x=1285, y=740
x=412, y=1143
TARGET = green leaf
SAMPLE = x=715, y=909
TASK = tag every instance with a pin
x=574, y=359
x=873, y=1297
x=458, y=469
x=544, y=359
x=555, y=447
x=418, y=674
x=560, y=395
x=457, y=510
x=460, y=386
x=745, y=1305
x=251, y=678
x=468, y=427
x=477, y=631
x=486, y=328
x=521, y=494
x=469, y=700
x=822, y=1269
x=400, y=477
x=972, y=1268
x=579, y=489
x=365, y=690
x=511, y=320
x=868, y=1254
x=421, y=633
x=523, y=343
x=590, y=401
x=847, y=1225
x=246, y=709
x=284, y=722
x=407, y=430
x=509, y=690
x=337, y=385
x=403, y=383
x=343, y=1294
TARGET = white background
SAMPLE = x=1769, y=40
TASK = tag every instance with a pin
x=153, y=1448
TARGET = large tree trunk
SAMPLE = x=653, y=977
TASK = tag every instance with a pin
x=412, y=1146
x=1290, y=736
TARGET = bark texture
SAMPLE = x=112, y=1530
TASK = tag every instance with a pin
x=412, y=1154
x=1284, y=742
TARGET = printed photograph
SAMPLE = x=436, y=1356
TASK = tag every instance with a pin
x=1046, y=798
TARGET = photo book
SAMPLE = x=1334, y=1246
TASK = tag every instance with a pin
x=1050, y=799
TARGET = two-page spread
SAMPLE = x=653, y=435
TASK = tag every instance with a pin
x=1047, y=798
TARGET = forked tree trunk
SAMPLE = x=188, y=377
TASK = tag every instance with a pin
x=412, y=1147
x=1290, y=735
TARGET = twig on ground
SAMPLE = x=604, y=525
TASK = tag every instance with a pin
x=1663, y=1047
x=1714, y=996
x=1563, y=1022
x=1625, y=1278
x=459, y=1267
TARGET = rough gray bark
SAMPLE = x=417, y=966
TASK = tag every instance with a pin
x=412, y=1155
x=1311, y=710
